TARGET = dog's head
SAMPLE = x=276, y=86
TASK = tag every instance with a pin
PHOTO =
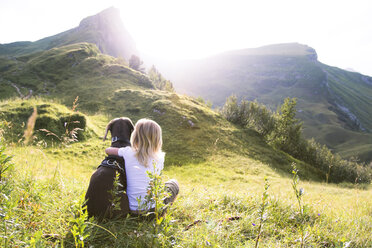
x=120, y=128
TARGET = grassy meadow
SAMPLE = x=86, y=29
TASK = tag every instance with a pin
x=218, y=205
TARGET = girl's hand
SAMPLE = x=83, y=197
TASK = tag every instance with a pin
x=112, y=151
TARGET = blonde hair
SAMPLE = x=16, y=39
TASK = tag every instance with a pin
x=146, y=140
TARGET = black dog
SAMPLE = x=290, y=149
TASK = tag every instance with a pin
x=99, y=196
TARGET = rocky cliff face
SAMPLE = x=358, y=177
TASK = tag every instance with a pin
x=312, y=54
x=111, y=36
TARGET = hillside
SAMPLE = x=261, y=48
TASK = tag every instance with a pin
x=192, y=132
x=104, y=29
x=106, y=86
x=66, y=72
x=333, y=103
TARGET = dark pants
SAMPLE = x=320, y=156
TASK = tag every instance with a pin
x=173, y=188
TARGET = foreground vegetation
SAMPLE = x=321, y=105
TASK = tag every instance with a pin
x=218, y=205
x=236, y=190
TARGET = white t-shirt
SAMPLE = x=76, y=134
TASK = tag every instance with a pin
x=137, y=178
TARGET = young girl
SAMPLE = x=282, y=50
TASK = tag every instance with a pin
x=144, y=155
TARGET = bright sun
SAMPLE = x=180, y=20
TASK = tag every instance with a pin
x=190, y=30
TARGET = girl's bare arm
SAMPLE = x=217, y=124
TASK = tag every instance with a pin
x=112, y=151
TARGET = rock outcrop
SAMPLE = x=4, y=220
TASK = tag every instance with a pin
x=112, y=38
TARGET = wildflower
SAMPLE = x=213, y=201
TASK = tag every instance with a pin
x=302, y=191
x=264, y=216
x=253, y=224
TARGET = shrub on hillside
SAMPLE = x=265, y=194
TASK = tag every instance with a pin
x=231, y=110
x=284, y=131
x=249, y=114
x=159, y=81
x=286, y=134
x=335, y=168
x=136, y=63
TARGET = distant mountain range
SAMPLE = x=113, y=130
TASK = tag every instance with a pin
x=334, y=104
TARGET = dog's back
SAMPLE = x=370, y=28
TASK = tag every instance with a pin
x=100, y=192
x=98, y=196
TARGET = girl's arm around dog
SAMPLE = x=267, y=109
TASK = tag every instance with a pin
x=112, y=151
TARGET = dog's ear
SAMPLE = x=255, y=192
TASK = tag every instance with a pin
x=109, y=125
x=131, y=126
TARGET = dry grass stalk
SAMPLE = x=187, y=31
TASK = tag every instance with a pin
x=75, y=104
x=74, y=107
x=49, y=133
x=30, y=127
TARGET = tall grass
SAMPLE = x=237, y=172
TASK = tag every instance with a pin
x=261, y=211
x=6, y=204
x=224, y=205
x=299, y=192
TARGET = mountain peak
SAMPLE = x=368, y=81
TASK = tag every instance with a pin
x=283, y=49
x=290, y=49
x=104, y=29
x=111, y=36
x=111, y=14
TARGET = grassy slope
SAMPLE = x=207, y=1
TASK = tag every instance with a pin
x=221, y=174
x=65, y=38
x=218, y=180
x=93, y=29
x=66, y=72
x=103, y=85
x=270, y=74
x=192, y=131
x=49, y=182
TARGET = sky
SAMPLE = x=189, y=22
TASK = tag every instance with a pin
x=340, y=31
